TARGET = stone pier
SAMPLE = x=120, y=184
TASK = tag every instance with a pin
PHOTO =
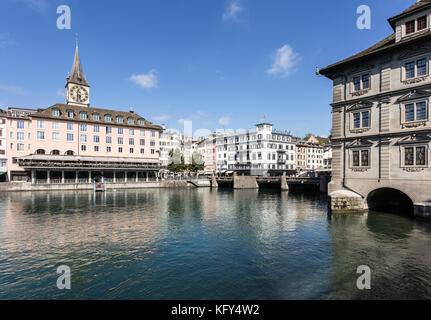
x=344, y=201
x=284, y=184
x=214, y=183
x=245, y=182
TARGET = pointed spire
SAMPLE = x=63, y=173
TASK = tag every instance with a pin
x=76, y=75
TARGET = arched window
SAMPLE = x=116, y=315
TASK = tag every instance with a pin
x=130, y=120
x=83, y=115
x=141, y=122
x=69, y=153
x=55, y=152
x=40, y=151
x=55, y=112
x=108, y=118
x=70, y=113
x=96, y=116
x=120, y=119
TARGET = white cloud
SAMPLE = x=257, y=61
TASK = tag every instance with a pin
x=146, y=81
x=181, y=121
x=285, y=60
x=11, y=89
x=161, y=118
x=233, y=11
x=224, y=121
x=61, y=93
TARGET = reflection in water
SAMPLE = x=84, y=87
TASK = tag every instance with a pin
x=205, y=244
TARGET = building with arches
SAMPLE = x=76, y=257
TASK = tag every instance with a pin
x=74, y=142
x=381, y=120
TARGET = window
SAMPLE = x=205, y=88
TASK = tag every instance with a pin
x=83, y=138
x=108, y=149
x=83, y=148
x=70, y=137
x=131, y=141
x=422, y=23
x=120, y=119
x=120, y=149
x=40, y=124
x=131, y=132
x=20, y=136
x=70, y=127
x=141, y=122
x=20, y=147
x=83, y=115
x=142, y=133
x=20, y=124
x=361, y=82
x=96, y=148
x=96, y=128
x=152, y=143
x=96, y=116
x=120, y=130
x=415, y=156
x=366, y=81
x=153, y=133
x=130, y=120
x=131, y=150
x=96, y=139
x=55, y=136
x=142, y=142
x=83, y=127
x=142, y=151
x=120, y=140
x=108, y=139
x=416, y=111
x=108, y=130
x=70, y=114
x=40, y=135
x=421, y=67
x=152, y=151
x=360, y=158
x=55, y=112
x=410, y=27
x=365, y=119
x=416, y=68
x=55, y=125
x=108, y=118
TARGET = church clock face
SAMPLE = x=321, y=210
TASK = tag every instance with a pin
x=79, y=94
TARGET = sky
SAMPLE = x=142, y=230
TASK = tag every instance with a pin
x=218, y=63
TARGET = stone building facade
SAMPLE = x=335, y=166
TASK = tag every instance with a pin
x=381, y=120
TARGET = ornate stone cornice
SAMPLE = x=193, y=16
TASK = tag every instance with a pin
x=414, y=138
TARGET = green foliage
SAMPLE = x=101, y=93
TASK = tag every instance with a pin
x=176, y=162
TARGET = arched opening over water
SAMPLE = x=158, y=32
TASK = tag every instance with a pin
x=390, y=200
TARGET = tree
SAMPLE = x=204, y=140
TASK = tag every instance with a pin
x=197, y=162
x=176, y=161
x=308, y=135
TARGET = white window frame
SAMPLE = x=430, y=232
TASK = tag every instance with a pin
x=403, y=157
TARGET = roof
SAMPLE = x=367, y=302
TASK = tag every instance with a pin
x=410, y=10
x=76, y=75
x=63, y=108
x=385, y=44
x=38, y=157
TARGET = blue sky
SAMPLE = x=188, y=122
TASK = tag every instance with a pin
x=218, y=63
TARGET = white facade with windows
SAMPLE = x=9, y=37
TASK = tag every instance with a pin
x=261, y=151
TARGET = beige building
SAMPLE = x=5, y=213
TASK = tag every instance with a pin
x=73, y=142
x=381, y=120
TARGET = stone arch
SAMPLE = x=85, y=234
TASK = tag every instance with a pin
x=40, y=151
x=55, y=152
x=69, y=153
x=390, y=200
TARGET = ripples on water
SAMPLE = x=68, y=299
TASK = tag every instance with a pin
x=203, y=244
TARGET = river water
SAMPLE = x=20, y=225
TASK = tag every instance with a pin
x=205, y=244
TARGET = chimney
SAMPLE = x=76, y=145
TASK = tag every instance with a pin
x=131, y=110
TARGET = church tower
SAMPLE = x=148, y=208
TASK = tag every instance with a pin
x=77, y=88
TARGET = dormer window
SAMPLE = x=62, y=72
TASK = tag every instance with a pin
x=416, y=25
x=422, y=23
x=141, y=122
x=130, y=120
x=108, y=118
x=83, y=115
x=70, y=113
x=410, y=27
x=120, y=119
x=96, y=116
x=55, y=112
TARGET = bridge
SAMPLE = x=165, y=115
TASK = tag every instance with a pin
x=254, y=182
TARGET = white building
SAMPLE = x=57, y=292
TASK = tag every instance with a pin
x=3, y=159
x=262, y=151
x=169, y=140
x=314, y=157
